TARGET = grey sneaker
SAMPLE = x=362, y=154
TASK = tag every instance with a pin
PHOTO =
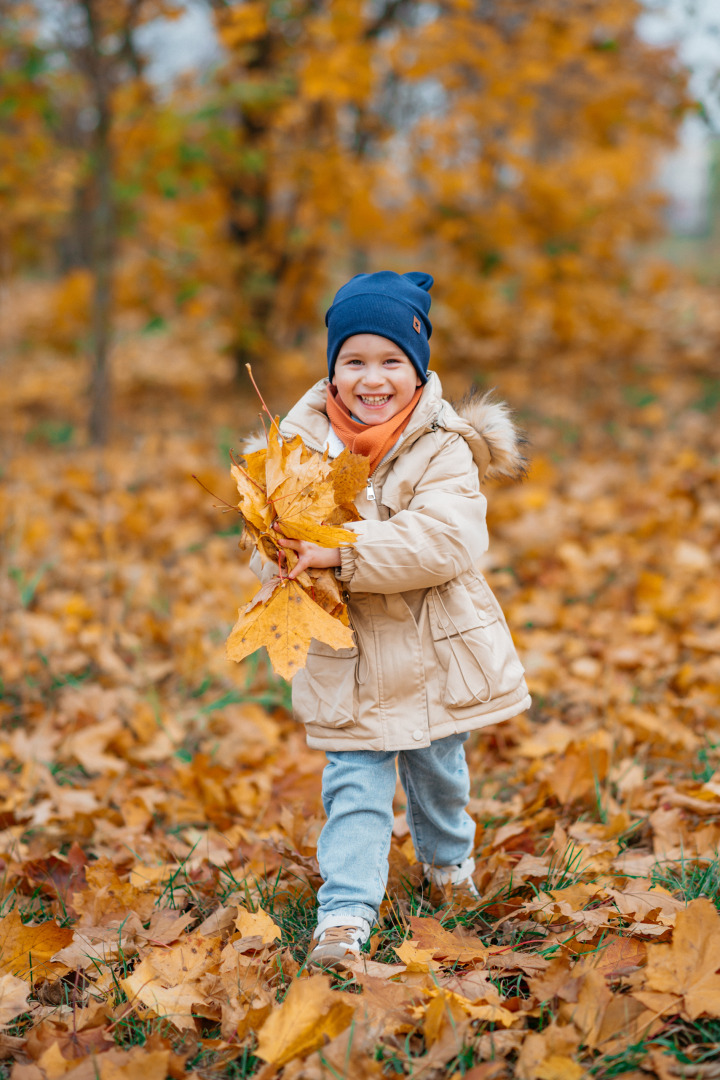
x=337, y=945
x=452, y=884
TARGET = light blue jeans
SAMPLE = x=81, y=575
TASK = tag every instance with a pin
x=358, y=788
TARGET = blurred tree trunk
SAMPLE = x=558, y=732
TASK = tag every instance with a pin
x=271, y=64
x=102, y=247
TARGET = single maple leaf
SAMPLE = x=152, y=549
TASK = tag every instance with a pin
x=285, y=624
x=326, y=590
x=593, y=1000
x=430, y=934
x=442, y=1010
x=139, y=1061
x=26, y=950
x=257, y=924
x=415, y=958
x=105, y=944
x=445, y=1003
x=13, y=997
x=284, y=458
x=310, y=1012
x=689, y=966
x=170, y=981
x=349, y=474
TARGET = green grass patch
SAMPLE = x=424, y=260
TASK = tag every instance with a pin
x=690, y=880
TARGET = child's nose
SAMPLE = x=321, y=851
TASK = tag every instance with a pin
x=374, y=378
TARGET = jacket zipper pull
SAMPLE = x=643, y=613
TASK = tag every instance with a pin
x=370, y=491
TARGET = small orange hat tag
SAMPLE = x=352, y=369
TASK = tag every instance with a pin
x=416, y=323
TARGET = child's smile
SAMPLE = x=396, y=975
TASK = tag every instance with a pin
x=375, y=379
x=376, y=402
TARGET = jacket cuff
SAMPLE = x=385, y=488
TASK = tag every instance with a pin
x=346, y=571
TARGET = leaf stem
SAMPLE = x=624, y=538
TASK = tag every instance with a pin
x=247, y=475
x=262, y=399
x=224, y=501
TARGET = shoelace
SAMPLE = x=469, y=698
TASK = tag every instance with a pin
x=341, y=935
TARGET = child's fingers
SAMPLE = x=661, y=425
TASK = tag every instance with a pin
x=302, y=564
x=294, y=544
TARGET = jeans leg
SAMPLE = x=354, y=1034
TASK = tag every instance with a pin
x=437, y=786
x=357, y=788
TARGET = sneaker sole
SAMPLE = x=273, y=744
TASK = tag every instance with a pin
x=332, y=960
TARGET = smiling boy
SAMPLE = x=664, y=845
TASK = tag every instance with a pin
x=433, y=658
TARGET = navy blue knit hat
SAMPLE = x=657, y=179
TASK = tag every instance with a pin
x=393, y=305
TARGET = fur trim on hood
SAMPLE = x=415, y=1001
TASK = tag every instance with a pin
x=256, y=441
x=493, y=421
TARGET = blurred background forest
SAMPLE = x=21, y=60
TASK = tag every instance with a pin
x=172, y=209
x=183, y=187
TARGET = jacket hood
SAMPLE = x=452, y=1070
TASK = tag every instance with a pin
x=487, y=425
x=492, y=422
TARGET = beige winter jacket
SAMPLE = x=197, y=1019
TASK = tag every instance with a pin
x=433, y=653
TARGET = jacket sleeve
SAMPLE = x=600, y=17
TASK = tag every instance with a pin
x=440, y=534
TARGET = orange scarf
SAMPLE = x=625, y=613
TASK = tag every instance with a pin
x=372, y=440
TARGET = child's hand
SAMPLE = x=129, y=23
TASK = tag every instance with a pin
x=310, y=555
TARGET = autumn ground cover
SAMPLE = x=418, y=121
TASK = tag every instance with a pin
x=160, y=809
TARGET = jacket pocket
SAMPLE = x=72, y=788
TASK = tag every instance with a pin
x=474, y=648
x=325, y=690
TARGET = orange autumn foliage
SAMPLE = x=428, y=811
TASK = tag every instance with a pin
x=511, y=148
x=159, y=808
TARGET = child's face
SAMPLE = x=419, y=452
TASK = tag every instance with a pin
x=375, y=379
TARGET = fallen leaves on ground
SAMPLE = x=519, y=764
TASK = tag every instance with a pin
x=159, y=809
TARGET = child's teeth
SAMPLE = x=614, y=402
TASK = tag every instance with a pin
x=375, y=400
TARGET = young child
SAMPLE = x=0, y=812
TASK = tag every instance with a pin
x=433, y=658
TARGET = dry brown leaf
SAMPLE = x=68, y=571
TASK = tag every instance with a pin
x=445, y=1002
x=442, y=1010
x=641, y=903
x=25, y=949
x=351, y=1055
x=257, y=924
x=349, y=473
x=149, y=1064
x=13, y=997
x=108, y=898
x=310, y=1013
x=582, y=766
x=550, y=1055
x=429, y=934
x=616, y=956
x=171, y=981
x=589, y=1012
x=415, y=958
x=689, y=966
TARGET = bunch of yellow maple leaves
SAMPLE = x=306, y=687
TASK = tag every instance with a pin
x=291, y=491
